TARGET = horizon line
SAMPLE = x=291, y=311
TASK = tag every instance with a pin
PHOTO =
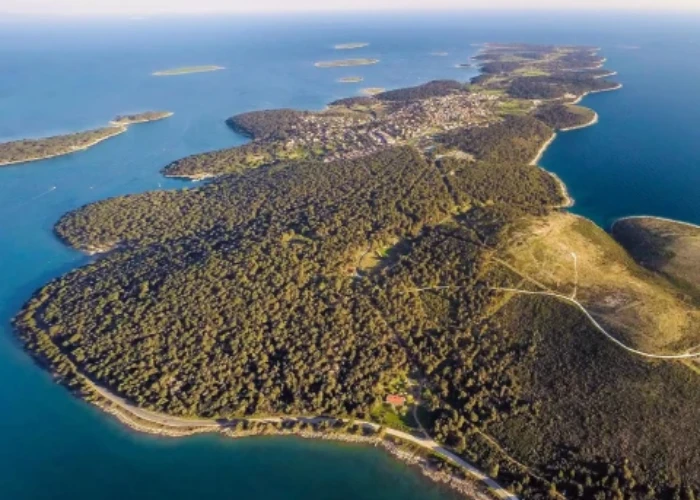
x=394, y=11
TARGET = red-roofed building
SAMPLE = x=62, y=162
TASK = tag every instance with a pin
x=395, y=400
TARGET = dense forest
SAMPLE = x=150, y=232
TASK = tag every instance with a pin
x=436, y=88
x=563, y=116
x=245, y=297
x=255, y=310
x=514, y=140
x=225, y=161
x=556, y=85
x=267, y=124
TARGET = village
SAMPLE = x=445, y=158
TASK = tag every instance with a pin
x=345, y=133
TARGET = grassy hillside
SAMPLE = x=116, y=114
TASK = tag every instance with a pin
x=668, y=247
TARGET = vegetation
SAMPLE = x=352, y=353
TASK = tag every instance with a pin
x=436, y=88
x=564, y=116
x=280, y=325
x=556, y=86
x=249, y=296
x=272, y=124
x=514, y=140
x=26, y=150
x=642, y=309
x=147, y=116
x=516, y=185
x=668, y=247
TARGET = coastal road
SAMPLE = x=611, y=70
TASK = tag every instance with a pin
x=187, y=423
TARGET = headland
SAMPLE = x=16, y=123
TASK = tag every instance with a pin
x=490, y=326
x=29, y=150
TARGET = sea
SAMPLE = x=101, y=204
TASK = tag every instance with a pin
x=68, y=74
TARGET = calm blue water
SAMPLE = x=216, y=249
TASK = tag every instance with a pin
x=644, y=157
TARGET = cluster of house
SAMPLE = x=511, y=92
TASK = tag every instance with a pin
x=352, y=135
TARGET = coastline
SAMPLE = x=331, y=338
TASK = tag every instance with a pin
x=581, y=97
x=568, y=200
x=140, y=120
x=474, y=484
x=190, y=177
x=543, y=149
x=592, y=122
x=653, y=217
x=196, y=427
x=119, y=129
x=612, y=73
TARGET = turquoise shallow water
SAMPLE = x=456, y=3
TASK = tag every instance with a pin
x=60, y=77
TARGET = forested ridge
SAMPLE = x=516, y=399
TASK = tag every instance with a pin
x=556, y=85
x=511, y=141
x=562, y=116
x=245, y=297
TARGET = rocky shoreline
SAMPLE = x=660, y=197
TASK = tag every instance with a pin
x=466, y=487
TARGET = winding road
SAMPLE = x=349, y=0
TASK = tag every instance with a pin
x=424, y=442
x=576, y=303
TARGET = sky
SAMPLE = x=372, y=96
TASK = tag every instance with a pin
x=146, y=7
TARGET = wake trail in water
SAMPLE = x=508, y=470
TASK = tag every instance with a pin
x=29, y=200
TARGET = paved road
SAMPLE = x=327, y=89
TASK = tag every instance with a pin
x=424, y=442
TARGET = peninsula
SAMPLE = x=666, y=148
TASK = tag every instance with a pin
x=28, y=150
x=349, y=46
x=666, y=246
x=186, y=70
x=343, y=63
x=394, y=267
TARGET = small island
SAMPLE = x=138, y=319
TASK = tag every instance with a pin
x=350, y=46
x=439, y=54
x=372, y=91
x=29, y=150
x=464, y=65
x=186, y=70
x=350, y=79
x=148, y=116
x=343, y=63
